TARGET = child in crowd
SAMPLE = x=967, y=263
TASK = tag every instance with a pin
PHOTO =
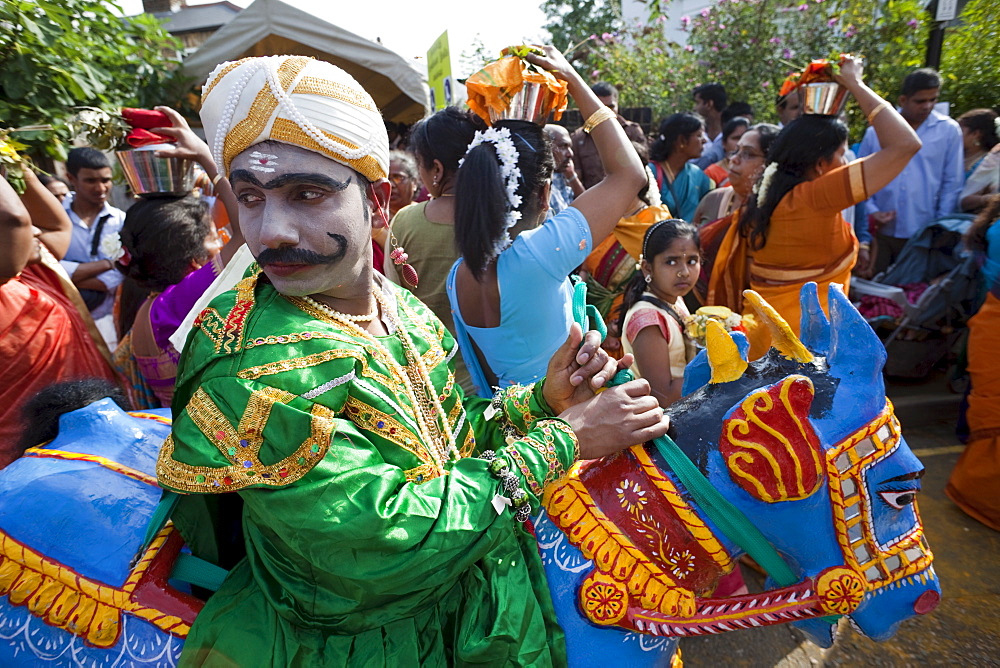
x=653, y=309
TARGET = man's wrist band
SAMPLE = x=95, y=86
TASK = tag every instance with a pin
x=598, y=117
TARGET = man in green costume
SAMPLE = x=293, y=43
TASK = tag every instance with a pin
x=377, y=531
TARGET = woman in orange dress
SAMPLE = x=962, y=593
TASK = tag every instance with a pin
x=975, y=481
x=791, y=230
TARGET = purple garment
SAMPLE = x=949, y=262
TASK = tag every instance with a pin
x=168, y=310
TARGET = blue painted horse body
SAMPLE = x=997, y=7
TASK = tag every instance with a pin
x=802, y=441
x=82, y=584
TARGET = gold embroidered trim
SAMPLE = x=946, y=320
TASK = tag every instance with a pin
x=65, y=599
x=287, y=131
x=247, y=131
x=373, y=420
x=315, y=359
x=334, y=91
x=226, y=333
x=242, y=446
x=225, y=70
x=423, y=473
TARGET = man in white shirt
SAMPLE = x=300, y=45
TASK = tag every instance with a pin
x=709, y=102
x=94, y=220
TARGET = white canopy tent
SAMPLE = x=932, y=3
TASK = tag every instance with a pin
x=272, y=27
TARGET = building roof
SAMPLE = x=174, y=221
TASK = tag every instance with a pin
x=272, y=27
x=198, y=17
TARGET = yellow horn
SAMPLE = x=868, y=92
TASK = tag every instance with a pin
x=783, y=339
x=723, y=355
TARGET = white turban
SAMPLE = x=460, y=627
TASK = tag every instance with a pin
x=295, y=100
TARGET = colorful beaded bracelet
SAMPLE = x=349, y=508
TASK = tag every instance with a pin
x=500, y=469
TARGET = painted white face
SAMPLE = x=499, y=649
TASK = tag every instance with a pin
x=305, y=218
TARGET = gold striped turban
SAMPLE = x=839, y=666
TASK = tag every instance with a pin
x=295, y=100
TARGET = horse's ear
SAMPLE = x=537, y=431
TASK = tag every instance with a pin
x=856, y=353
x=814, y=326
x=723, y=354
x=769, y=445
x=783, y=339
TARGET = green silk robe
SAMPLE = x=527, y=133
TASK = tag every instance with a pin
x=360, y=550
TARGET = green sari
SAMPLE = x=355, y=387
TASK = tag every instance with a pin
x=361, y=549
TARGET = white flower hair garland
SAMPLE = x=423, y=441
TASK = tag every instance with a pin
x=761, y=187
x=508, y=155
x=111, y=246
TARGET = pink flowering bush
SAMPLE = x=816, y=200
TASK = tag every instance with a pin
x=769, y=39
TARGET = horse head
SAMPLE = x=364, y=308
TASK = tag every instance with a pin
x=795, y=458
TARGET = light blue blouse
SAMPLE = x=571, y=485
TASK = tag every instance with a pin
x=536, y=298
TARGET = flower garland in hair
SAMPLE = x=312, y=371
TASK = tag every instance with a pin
x=508, y=156
x=761, y=187
x=111, y=246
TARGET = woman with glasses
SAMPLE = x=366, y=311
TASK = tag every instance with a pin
x=791, y=230
x=720, y=208
x=733, y=129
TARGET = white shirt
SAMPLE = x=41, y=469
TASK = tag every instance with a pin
x=82, y=243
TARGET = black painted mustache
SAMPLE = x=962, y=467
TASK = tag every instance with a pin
x=291, y=255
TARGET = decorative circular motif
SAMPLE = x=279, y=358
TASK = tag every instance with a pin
x=604, y=601
x=840, y=590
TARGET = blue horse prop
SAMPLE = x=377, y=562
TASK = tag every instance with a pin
x=803, y=441
x=82, y=583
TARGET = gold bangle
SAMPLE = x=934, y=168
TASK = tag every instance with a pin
x=876, y=111
x=864, y=245
x=215, y=181
x=598, y=117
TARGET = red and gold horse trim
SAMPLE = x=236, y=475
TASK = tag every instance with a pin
x=769, y=445
x=650, y=549
x=128, y=472
x=83, y=607
x=846, y=463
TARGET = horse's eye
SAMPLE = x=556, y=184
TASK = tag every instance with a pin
x=899, y=499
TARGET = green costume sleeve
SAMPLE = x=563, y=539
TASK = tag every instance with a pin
x=321, y=498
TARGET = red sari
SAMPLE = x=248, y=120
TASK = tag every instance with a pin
x=44, y=339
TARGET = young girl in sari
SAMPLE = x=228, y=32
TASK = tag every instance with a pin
x=652, y=323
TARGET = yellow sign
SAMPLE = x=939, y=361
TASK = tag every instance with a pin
x=439, y=73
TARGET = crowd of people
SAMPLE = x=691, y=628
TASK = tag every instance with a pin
x=408, y=322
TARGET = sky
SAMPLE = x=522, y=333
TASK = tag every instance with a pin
x=409, y=27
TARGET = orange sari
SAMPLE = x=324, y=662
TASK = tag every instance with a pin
x=807, y=240
x=44, y=339
x=975, y=482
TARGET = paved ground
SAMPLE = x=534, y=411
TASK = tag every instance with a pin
x=965, y=628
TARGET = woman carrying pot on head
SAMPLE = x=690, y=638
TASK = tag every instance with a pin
x=510, y=291
x=791, y=230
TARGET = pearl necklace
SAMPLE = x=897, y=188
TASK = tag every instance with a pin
x=430, y=423
x=366, y=317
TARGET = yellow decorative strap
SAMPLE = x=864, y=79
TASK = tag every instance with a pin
x=45, y=453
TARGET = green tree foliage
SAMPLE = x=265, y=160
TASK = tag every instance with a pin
x=571, y=22
x=648, y=69
x=971, y=58
x=750, y=46
x=55, y=55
